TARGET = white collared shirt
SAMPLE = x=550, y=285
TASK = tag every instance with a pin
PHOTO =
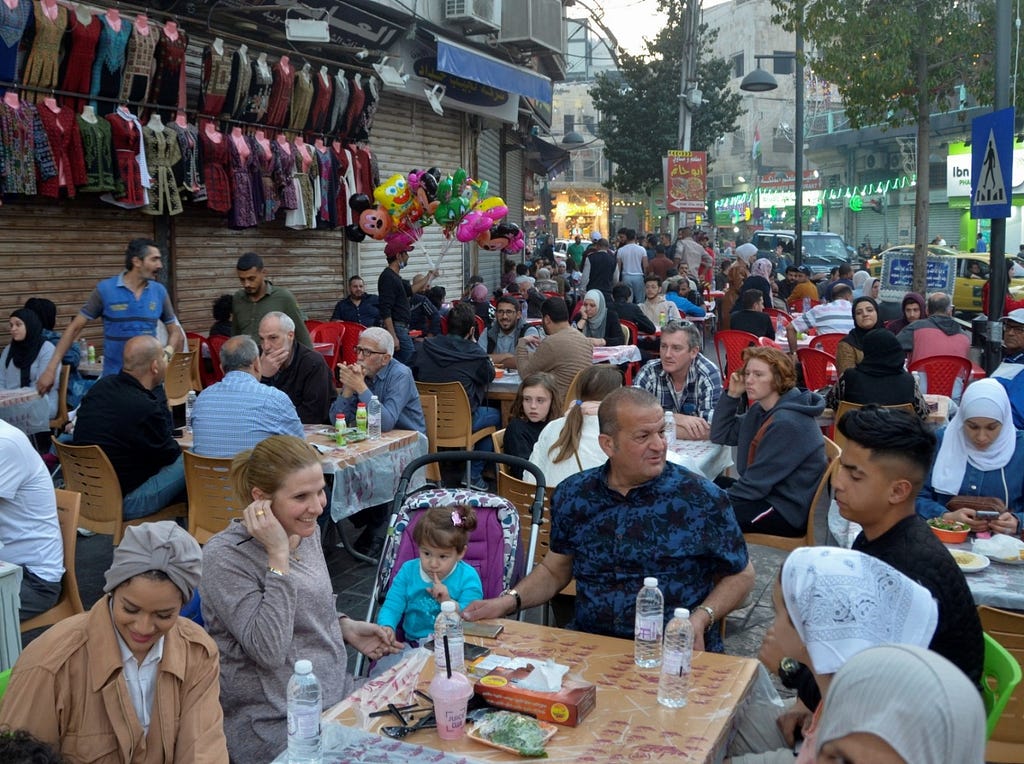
x=141, y=679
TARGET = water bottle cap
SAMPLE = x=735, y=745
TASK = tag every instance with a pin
x=447, y=606
x=682, y=612
x=650, y=581
x=303, y=667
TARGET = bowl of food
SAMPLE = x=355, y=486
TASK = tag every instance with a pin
x=949, y=531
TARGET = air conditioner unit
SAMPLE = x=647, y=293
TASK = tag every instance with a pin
x=533, y=25
x=874, y=161
x=896, y=161
x=474, y=16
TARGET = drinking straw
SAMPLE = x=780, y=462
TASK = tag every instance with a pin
x=447, y=657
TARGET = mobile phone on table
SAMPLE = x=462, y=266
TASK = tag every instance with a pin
x=986, y=514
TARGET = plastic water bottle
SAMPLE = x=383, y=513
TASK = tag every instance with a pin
x=83, y=350
x=449, y=623
x=780, y=327
x=340, y=428
x=670, y=430
x=373, y=418
x=190, y=404
x=361, y=419
x=305, y=704
x=676, y=660
x=807, y=304
x=650, y=615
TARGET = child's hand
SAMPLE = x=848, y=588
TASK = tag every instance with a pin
x=438, y=591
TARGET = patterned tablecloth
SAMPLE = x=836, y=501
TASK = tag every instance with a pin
x=705, y=457
x=627, y=721
x=367, y=473
x=616, y=354
x=23, y=408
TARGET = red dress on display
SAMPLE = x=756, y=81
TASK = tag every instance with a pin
x=66, y=146
x=323, y=91
x=356, y=101
x=126, y=137
x=78, y=61
x=216, y=168
x=280, y=94
x=216, y=80
x=169, y=80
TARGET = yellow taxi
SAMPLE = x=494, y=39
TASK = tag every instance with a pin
x=971, y=269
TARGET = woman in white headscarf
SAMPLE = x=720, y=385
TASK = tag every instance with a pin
x=833, y=603
x=860, y=281
x=900, y=704
x=599, y=322
x=979, y=465
x=760, y=278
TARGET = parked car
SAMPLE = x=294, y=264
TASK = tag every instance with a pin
x=822, y=250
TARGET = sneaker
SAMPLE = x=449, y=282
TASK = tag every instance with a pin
x=478, y=484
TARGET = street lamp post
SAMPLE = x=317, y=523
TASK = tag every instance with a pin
x=760, y=81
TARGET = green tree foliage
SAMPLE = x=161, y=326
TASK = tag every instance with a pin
x=895, y=62
x=640, y=105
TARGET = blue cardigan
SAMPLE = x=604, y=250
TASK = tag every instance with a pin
x=931, y=503
x=409, y=603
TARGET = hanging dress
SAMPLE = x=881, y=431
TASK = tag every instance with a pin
x=339, y=104
x=188, y=173
x=216, y=80
x=169, y=81
x=41, y=67
x=327, y=214
x=284, y=176
x=138, y=65
x=346, y=183
x=98, y=153
x=257, y=101
x=356, y=101
x=108, y=64
x=13, y=22
x=323, y=90
x=243, y=210
x=129, y=159
x=280, y=94
x=364, y=122
x=269, y=170
x=304, y=177
x=216, y=166
x=238, y=85
x=78, y=61
x=24, y=150
x=302, y=100
x=66, y=146
x=162, y=154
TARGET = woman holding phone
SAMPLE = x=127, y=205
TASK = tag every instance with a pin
x=977, y=477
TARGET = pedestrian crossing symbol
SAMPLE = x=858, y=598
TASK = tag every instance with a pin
x=991, y=162
x=991, y=187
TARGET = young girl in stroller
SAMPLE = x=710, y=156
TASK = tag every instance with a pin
x=437, y=574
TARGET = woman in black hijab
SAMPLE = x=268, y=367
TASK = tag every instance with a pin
x=880, y=377
x=24, y=359
x=850, y=349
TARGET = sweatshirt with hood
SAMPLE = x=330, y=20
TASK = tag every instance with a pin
x=455, y=359
x=790, y=455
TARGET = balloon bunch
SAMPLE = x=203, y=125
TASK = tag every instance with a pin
x=402, y=206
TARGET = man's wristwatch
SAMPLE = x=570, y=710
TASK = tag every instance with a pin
x=515, y=594
x=788, y=669
x=711, y=614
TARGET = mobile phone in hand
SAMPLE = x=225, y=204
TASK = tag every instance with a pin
x=986, y=514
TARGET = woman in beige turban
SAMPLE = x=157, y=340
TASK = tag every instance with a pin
x=129, y=681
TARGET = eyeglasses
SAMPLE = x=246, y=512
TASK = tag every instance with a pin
x=1008, y=327
x=367, y=351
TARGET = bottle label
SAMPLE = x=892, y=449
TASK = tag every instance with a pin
x=303, y=724
x=675, y=662
x=648, y=627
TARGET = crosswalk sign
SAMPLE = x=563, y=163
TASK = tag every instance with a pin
x=991, y=161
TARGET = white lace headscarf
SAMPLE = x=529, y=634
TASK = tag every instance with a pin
x=842, y=601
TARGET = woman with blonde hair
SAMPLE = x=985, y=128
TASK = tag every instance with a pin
x=780, y=453
x=267, y=598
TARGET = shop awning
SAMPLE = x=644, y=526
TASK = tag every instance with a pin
x=543, y=158
x=479, y=67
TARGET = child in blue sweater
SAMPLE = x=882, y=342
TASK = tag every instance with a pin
x=436, y=575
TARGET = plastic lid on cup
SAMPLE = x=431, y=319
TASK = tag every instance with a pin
x=650, y=581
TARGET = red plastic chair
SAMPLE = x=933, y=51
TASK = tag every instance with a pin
x=634, y=330
x=349, y=340
x=481, y=326
x=215, y=343
x=729, y=345
x=329, y=331
x=942, y=372
x=776, y=314
x=815, y=365
x=797, y=305
x=311, y=324
x=768, y=342
x=827, y=342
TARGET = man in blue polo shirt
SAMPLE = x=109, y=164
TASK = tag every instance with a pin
x=130, y=305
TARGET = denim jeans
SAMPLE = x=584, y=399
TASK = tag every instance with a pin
x=164, y=488
x=485, y=416
x=405, y=350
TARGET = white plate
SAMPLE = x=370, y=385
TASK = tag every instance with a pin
x=969, y=562
x=1008, y=560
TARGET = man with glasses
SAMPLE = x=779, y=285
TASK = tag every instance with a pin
x=499, y=340
x=683, y=380
x=376, y=372
x=1013, y=336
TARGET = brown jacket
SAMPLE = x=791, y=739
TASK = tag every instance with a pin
x=563, y=355
x=67, y=689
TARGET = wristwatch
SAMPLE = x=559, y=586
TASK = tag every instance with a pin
x=711, y=614
x=515, y=594
x=788, y=670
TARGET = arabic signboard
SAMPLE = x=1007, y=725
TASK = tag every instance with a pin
x=898, y=275
x=687, y=184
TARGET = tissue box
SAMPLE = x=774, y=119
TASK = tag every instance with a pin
x=568, y=706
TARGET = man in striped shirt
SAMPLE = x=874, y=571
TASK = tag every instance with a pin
x=834, y=317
